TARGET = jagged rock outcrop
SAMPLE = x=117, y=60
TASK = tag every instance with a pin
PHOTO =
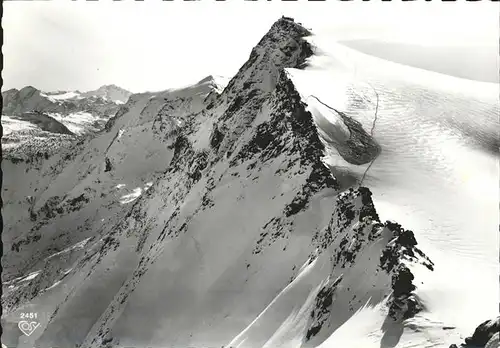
x=359, y=245
x=494, y=341
x=282, y=47
x=485, y=335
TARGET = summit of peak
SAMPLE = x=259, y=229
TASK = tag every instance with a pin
x=285, y=27
x=288, y=21
x=216, y=81
x=283, y=46
x=111, y=86
x=28, y=88
x=10, y=91
x=209, y=78
x=111, y=92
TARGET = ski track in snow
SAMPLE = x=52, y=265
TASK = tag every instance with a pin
x=372, y=134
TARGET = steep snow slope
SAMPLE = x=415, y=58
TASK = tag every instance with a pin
x=199, y=219
x=436, y=169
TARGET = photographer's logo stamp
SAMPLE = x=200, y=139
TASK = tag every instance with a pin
x=29, y=323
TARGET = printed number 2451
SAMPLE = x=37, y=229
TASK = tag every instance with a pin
x=28, y=315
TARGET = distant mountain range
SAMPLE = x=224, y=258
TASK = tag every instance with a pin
x=37, y=122
x=102, y=101
x=109, y=92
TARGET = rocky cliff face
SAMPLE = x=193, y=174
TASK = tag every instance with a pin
x=205, y=218
x=484, y=336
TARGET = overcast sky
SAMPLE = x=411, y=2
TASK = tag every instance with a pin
x=155, y=45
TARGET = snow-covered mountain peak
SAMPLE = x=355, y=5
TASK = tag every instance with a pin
x=110, y=92
x=283, y=46
x=27, y=89
x=283, y=27
x=209, y=78
x=217, y=81
x=251, y=217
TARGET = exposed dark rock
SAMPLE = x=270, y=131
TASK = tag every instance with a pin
x=15, y=160
x=49, y=209
x=25, y=241
x=483, y=333
x=319, y=179
x=199, y=163
x=216, y=137
x=273, y=138
x=404, y=303
x=322, y=308
x=368, y=208
x=402, y=246
x=360, y=148
x=74, y=202
x=110, y=123
x=183, y=153
x=245, y=93
x=108, y=165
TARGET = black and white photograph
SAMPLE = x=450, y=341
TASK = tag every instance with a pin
x=250, y=174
